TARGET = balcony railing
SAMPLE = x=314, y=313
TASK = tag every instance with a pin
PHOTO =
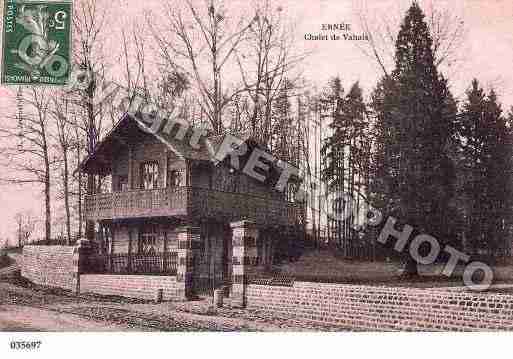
x=187, y=201
x=231, y=206
x=140, y=203
x=123, y=263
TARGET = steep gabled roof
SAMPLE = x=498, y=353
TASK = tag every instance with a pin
x=130, y=129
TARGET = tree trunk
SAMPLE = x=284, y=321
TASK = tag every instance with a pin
x=48, y=212
x=410, y=268
x=91, y=144
x=19, y=235
x=66, y=195
x=79, y=199
x=89, y=228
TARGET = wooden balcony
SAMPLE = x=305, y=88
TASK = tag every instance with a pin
x=193, y=202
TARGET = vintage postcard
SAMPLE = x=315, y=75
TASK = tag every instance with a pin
x=255, y=166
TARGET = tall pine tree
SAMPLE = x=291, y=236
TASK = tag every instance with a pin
x=486, y=173
x=345, y=153
x=473, y=133
x=332, y=173
x=414, y=132
x=498, y=169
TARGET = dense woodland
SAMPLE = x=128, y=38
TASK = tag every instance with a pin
x=413, y=151
x=409, y=148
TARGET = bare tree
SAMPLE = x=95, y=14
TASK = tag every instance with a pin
x=201, y=41
x=265, y=60
x=78, y=149
x=136, y=75
x=62, y=111
x=161, y=85
x=27, y=145
x=89, y=25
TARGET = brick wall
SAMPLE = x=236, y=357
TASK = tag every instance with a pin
x=52, y=266
x=383, y=308
x=133, y=286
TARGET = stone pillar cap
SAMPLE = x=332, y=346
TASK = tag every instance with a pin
x=186, y=228
x=243, y=223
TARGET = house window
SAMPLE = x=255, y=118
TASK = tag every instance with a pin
x=291, y=192
x=148, y=239
x=104, y=184
x=175, y=178
x=226, y=181
x=149, y=175
x=122, y=183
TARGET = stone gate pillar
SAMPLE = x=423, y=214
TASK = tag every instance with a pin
x=244, y=242
x=189, y=241
x=80, y=258
x=75, y=270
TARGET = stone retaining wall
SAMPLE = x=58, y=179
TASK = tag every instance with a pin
x=132, y=286
x=53, y=266
x=385, y=308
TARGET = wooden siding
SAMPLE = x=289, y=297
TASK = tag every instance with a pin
x=120, y=169
x=129, y=165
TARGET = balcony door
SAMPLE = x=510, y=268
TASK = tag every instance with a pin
x=175, y=178
x=122, y=183
x=149, y=175
x=175, y=175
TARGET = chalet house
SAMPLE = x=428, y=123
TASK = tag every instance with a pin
x=160, y=188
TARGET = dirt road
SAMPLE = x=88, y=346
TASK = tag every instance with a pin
x=30, y=308
x=24, y=318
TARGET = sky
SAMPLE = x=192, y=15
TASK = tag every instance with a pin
x=485, y=52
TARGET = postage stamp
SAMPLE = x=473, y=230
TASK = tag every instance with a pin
x=36, y=42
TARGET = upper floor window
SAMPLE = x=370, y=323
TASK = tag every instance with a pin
x=175, y=178
x=149, y=175
x=104, y=184
x=122, y=183
x=291, y=192
x=226, y=180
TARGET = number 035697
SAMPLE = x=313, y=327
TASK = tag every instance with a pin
x=23, y=345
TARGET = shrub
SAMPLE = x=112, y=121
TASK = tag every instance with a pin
x=4, y=259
